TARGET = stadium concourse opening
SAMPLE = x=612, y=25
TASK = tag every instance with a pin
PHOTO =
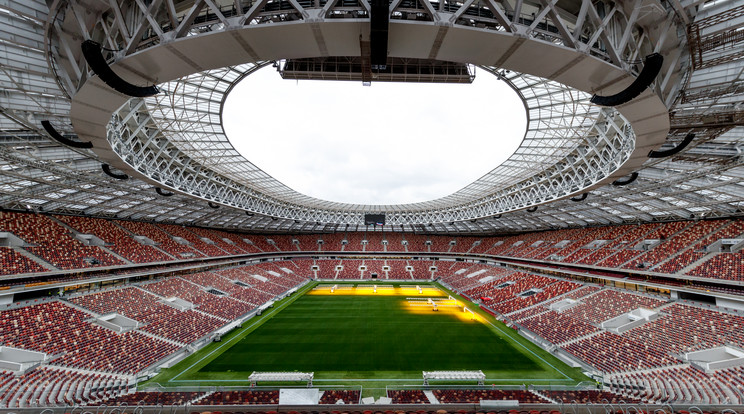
x=389, y=143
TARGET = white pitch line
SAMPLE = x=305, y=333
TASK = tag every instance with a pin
x=282, y=306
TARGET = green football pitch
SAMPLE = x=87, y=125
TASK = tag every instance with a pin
x=349, y=339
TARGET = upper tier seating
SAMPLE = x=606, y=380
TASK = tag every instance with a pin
x=117, y=239
x=236, y=246
x=613, y=353
x=12, y=263
x=332, y=242
x=53, y=243
x=607, y=304
x=690, y=328
x=416, y=243
x=164, y=241
x=195, y=242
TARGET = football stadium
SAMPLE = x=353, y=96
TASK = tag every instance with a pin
x=148, y=264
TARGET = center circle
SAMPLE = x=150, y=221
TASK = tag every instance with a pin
x=388, y=143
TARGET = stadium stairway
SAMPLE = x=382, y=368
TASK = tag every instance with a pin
x=542, y=395
x=432, y=398
x=170, y=341
x=698, y=262
x=104, y=248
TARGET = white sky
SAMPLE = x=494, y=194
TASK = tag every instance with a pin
x=389, y=143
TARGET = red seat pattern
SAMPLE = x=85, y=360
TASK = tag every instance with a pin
x=407, y=397
x=220, y=306
x=240, y=398
x=153, y=398
x=475, y=396
x=334, y=396
x=195, y=241
x=374, y=242
x=420, y=269
x=588, y=397
x=607, y=304
x=332, y=242
x=689, y=328
x=12, y=263
x=308, y=243
x=245, y=294
x=218, y=237
x=613, y=353
x=53, y=243
x=163, y=239
x=161, y=320
x=117, y=239
x=374, y=266
x=351, y=270
x=49, y=386
x=416, y=243
x=681, y=384
x=60, y=330
x=558, y=328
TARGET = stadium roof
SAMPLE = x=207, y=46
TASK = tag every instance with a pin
x=175, y=141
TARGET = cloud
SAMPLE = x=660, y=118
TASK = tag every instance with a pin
x=388, y=143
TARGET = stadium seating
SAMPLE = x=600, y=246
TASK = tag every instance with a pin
x=613, y=353
x=164, y=241
x=162, y=320
x=236, y=247
x=62, y=331
x=350, y=270
x=407, y=397
x=465, y=396
x=607, y=304
x=118, y=240
x=332, y=242
x=398, y=269
x=558, y=328
x=587, y=397
x=416, y=243
x=420, y=269
x=50, y=386
x=13, y=263
x=334, y=396
x=689, y=328
x=374, y=242
x=681, y=384
x=195, y=242
x=249, y=397
x=220, y=306
x=50, y=241
x=153, y=398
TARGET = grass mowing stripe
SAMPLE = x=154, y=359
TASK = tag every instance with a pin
x=566, y=376
x=340, y=338
x=266, y=316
